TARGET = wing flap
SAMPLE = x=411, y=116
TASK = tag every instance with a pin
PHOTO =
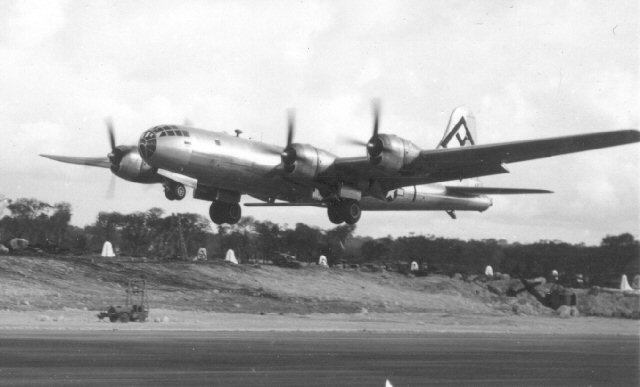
x=101, y=162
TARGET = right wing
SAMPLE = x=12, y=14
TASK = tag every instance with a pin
x=101, y=162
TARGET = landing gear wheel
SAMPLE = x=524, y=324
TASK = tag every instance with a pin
x=221, y=212
x=124, y=318
x=216, y=213
x=169, y=194
x=179, y=191
x=334, y=213
x=234, y=212
x=350, y=211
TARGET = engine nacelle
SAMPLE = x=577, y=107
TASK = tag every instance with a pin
x=131, y=167
x=307, y=162
x=391, y=152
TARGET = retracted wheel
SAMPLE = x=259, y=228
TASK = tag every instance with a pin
x=335, y=215
x=350, y=211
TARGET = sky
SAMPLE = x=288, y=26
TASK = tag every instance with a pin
x=527, y=69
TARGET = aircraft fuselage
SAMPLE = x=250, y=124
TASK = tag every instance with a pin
x=232, y=163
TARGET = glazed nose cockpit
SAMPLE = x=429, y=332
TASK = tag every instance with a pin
x=147, y=144
x=166, y=146
x=149, y=139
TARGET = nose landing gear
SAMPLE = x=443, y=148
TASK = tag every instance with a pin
x=174, y=191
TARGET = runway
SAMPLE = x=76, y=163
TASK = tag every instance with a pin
x=56, y=358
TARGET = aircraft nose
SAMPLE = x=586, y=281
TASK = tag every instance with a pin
x=147, y=144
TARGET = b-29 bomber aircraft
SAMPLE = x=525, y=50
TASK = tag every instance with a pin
x=395, y=174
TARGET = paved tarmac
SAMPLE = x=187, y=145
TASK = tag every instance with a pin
x=125, y=358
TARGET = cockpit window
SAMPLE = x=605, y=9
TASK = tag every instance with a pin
x=168, y=130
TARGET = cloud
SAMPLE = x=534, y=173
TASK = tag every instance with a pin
x=28, y=23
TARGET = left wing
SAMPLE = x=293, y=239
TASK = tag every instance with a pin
x=480, y=160
x=447, y=164
x=472, y=191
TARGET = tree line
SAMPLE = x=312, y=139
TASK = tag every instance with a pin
x=153, y=233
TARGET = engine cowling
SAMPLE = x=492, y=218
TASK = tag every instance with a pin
x=127, y=164
x=391, y=152
x=305, y=161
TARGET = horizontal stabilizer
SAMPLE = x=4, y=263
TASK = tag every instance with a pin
x=306, y=204
x=101, y=162
x=494, y=191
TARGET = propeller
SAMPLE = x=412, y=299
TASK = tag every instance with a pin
x=289, y=155
x=111, y=189
x=116, y=154
x=374, y=145
x=112, y=137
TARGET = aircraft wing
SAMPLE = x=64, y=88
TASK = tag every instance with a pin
x=479, y=160
x=447, y=164
x=101, y=162
x=286, y=204
x=494, y=191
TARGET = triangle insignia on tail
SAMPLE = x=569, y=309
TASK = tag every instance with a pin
x=462, y=126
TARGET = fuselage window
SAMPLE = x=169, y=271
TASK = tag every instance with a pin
x=185, y=133
x=217, y=142
x=163, y=134
x=170, y=133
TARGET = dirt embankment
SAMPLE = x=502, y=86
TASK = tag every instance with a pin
x=54, y=283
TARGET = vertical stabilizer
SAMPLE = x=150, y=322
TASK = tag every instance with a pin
x=461, y=129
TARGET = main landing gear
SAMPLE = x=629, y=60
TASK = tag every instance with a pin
x=346, y=210
x=221, y=212
x=174, y=191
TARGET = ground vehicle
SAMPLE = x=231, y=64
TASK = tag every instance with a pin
x=135, y=308
x=286, y=260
